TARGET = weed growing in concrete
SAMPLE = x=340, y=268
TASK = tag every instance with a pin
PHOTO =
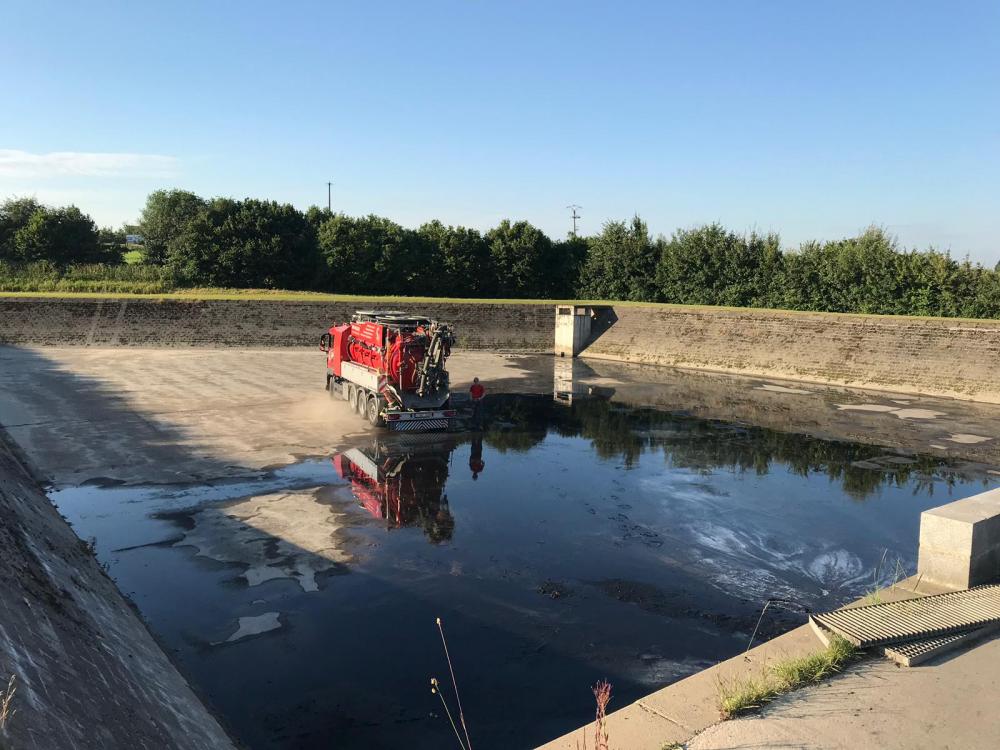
x=786, y=603
x=740, y=695
x=602, y=696
x=6, y=698
x=874, y=595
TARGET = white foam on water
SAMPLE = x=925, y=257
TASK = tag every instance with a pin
x=866, y=407
x=254, y=625
x=967, y=439
x=918, y=413
x=782, y=389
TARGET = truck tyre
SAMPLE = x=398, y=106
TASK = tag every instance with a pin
x=351, y=394
x=361, y=403
x=345, y=390
x=374, y=415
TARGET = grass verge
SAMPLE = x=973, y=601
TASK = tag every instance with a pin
x=740, y=695
x=143, y=283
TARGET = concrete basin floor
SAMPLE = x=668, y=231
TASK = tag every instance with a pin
x=611, y=520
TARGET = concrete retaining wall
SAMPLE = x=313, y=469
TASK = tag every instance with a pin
x=87, y=672
x=934, y=356
x=255, y=323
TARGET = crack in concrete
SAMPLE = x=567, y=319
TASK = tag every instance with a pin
x=663, y=716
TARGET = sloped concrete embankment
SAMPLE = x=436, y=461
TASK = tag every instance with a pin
x=87, y=672
x=251, y=323
x=932, y=356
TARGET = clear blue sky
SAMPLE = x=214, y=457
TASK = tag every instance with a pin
x=811, y=119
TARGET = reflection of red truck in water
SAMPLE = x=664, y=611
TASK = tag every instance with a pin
x=390, y=366
x=403, y=484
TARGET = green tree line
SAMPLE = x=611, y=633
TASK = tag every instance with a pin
x=221, y=242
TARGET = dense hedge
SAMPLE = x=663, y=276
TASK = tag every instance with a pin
x=712, y=266
x=43, y=276
x=191, y=241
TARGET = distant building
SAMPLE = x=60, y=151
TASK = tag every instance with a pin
x=133, y=239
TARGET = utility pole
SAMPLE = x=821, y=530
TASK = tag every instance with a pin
x=576, y=216
x=329, y=196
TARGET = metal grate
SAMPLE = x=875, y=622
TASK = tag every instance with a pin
x=912, y=653
x=913, y=619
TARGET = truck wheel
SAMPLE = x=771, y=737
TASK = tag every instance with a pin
x=361, y=404
x=352, y=394
x=374, y=412
x=345, y=390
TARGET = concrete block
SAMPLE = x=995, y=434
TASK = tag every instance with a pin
x=960, y=542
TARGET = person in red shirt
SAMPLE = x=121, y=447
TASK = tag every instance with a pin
x=477, y=392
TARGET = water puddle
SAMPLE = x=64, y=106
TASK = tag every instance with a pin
x=570, y=540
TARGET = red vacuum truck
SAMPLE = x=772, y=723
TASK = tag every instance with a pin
x=390, y=366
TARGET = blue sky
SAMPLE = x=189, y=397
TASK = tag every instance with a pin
x=811, y=119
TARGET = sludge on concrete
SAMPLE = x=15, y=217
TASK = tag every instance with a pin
x=87, y=672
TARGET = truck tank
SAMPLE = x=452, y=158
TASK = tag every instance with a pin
x=390, y=366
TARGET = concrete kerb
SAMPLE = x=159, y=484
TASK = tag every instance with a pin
x=678, y=712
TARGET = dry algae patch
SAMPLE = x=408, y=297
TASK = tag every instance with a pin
x=739, y=695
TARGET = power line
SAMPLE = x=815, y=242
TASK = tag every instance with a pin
x=575, y=215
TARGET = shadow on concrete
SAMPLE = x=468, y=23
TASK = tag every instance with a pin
x=601, y=322
x=71, y=425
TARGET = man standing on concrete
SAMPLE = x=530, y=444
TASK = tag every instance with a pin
x=477, y=392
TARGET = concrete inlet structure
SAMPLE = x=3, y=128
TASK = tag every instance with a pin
x=572, y=329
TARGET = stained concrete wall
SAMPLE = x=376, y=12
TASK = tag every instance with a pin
x=934, y=356
x=88, y=673
x=255, y=323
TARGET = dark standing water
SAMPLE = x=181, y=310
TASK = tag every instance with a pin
x=564, y=544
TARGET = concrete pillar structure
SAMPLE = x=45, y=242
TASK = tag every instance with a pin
x=960, y=542
x=573, y=323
